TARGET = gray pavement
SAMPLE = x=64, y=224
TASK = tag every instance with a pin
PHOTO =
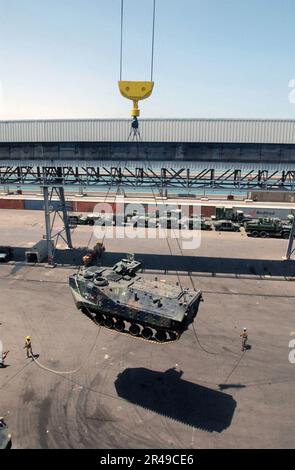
x=126, y=393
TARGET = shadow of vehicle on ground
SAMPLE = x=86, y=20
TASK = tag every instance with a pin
x=167, y=394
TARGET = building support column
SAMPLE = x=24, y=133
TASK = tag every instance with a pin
x=65, y=216
x=290, y=249
x=48, y=225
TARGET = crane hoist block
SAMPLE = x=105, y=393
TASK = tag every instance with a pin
x=135, y=91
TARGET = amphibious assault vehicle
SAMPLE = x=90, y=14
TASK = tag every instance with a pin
x=119, y=298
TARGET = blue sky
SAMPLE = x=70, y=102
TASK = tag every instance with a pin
x=213, y=58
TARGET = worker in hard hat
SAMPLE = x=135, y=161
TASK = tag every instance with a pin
x=86, y=260
x=134, y=123
x=2, y=358
x=244, y=336
x=134, y=128
x=28, y=346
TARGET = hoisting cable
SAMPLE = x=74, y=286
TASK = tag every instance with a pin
x=92, y=233
x=121, y=43
x=194, y=330
x=136, y=90
x=79, y=268
x=167, y=239
x=146, y=160
x=153, y=40
x=192, y=282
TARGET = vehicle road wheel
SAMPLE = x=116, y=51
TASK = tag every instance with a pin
x=119, y=325
x=286, y=235
x=160, y=336
x=263, y=234
x=99, y=319
x=174, y=335
x=108, y=322
x=255, y=234
x=134, y=329
x=147, y=333
x=84, y=310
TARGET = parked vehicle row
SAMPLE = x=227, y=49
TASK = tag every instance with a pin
x=262, y=227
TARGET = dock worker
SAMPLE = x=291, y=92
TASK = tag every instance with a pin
x=86, y=260
x=98, y=250
x=28, y=346
x=244, y=336
x=134, y=128
x=134, y=123
x=2, y=358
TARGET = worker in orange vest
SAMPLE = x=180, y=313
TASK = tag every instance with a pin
x=86, y=260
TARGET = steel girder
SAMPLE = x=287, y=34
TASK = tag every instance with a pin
x=230, y=178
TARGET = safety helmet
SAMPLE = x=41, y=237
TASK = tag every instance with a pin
x=28, y=337
x=245, y=329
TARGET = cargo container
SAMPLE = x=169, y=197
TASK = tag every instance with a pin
x=12, y=204
x=38, y=204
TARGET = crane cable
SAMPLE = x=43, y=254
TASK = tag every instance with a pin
x=42, y=366
x=146, y=160
x=153, y=39
x=92, y=233
x=177, y=274
x=121, y=42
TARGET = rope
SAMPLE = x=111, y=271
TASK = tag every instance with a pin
x=202, y=347
x=68, y=371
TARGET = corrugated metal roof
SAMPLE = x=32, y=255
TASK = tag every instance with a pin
x=152, y=130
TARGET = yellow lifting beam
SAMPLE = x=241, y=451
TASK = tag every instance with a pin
x=135, y=91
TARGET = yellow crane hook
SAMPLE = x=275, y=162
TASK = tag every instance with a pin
x=135, y=91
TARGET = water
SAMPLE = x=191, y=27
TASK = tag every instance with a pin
x=128, y=191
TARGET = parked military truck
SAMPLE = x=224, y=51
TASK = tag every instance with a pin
x=267, y=227
x=232, y=214
x=290, y=219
